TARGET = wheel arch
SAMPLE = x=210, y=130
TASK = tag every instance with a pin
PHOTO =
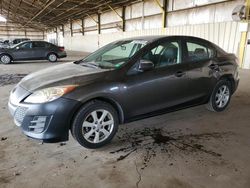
x=108, y=100
x=6, y=54
x=51, y=52
x=229, y=78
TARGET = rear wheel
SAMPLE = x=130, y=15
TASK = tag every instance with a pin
x=52, y=57
x=5, y=59
x=95, y=124
x=220, y=97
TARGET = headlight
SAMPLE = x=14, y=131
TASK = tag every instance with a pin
x=49, y=94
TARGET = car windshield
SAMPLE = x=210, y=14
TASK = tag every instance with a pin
x=15, y=45
x=114, y=54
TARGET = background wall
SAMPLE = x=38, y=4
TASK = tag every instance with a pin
x=209, y=19
x=225, y=34
x=10, y=31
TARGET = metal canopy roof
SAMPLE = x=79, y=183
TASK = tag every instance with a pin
x=44, y=14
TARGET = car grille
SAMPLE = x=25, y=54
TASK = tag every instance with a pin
x=19, y=114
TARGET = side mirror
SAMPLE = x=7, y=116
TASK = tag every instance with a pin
x=145, y=65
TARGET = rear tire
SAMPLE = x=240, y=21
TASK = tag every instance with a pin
x=220, y=97
x=95, y=124
x=52, y=57
x=5, y=59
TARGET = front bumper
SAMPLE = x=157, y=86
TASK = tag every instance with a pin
x=49, y=122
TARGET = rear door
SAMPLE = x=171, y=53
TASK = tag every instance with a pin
x=39, y=49
x=199, y=56
x=162, y=87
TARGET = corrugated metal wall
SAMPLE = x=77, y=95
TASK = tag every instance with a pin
x=224, y=34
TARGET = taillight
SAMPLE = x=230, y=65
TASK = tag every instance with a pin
x=61, y=49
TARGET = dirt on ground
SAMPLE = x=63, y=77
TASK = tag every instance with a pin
x=191, y=148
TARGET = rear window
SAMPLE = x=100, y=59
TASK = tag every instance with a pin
x=198, y=51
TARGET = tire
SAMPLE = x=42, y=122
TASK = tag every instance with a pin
x=5, y=59
x=52, y=57
x=95, y=124
x=220, y=97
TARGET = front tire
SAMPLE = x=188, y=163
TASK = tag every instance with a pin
x=52, y=57
x=220, y=97
x=95, y=124
x=5, y=59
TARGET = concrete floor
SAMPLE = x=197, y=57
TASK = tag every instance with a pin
x=192, y=148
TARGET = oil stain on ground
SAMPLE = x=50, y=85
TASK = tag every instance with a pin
x=152, y=142
x=7, y=79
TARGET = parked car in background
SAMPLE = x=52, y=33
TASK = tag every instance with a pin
x=6, y=41
x=123, y=81
x=32, y=50
x=16, y=41
x=4, y=45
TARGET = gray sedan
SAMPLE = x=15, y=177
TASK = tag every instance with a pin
x=124, y=81
x=32, y=50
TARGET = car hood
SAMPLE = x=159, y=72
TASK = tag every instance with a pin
x=65, y=74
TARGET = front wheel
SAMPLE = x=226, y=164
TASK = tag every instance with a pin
x=95, y=124
x=220, y=97
x=5, y=59
x=52, y=57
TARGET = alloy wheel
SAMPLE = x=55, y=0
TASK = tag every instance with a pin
x=222, y=96
x=52, y=57
x=97, y=126
x=5, y=59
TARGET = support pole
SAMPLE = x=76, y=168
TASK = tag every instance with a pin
x=123, y=18
x=164, y=14
x=242, y=49
x=99, y=23
x=248, y=10
x=71, y=28
x=56, y=36
x=63, y=30
x=83, y=26
x=164, y=11
x=243, y=38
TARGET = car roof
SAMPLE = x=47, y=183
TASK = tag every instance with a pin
x=152, y=38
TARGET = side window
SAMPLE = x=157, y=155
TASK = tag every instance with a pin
x=198, y=51
x=38, y=45
x=48, y=45
x=164, y=54
x=26, y=45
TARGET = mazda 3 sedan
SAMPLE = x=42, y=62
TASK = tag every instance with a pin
x=32, y=50
x=123, y=81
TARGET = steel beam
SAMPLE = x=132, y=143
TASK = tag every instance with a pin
x=40, y=12
x=115, y=12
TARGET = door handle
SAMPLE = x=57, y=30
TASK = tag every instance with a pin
x=179, y=73
x=213, y=66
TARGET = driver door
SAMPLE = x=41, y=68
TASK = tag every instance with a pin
x=162, y=87
x=23, y=51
